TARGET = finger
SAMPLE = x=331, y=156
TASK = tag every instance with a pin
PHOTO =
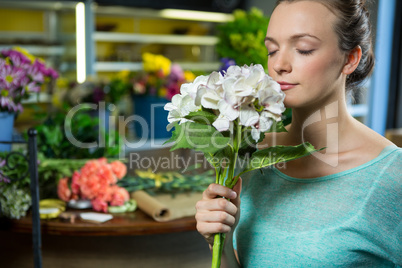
x=217, y=204
x=214, y=190
x=237, y=189
x=215, y=217
x=208, y=229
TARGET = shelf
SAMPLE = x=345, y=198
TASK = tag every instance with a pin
x=20, y=35
x=156, y=38
x=106, y=66
x=41, y=50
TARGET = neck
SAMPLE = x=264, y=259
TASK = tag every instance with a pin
x=322, y=126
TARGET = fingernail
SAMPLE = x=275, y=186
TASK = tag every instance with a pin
x=233, y=195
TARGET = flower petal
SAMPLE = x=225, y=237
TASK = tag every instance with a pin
x=221, y=123
x=248, y=116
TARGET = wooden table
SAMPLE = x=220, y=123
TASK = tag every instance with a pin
x=132, y=223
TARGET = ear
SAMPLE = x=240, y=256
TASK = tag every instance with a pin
x=352, y=60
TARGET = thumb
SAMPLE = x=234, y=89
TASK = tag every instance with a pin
x=237, y=189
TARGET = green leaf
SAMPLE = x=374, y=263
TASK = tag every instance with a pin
x=215, y=159
x=277, y=154
x=202, y=117
x=203, y=138
x=277, y=127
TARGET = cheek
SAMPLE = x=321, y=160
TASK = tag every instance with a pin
x=318, y=70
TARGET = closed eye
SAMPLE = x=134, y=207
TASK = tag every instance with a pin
x=305, y=52
x=271, y=53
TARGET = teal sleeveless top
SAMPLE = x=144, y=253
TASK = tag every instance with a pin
x=348, y=219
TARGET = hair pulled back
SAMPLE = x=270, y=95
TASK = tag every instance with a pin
x=353, y=29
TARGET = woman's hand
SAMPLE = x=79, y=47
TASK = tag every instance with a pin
x=215, y=214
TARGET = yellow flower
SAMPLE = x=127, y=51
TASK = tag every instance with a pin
x=26, y=53
x=189, y=76
x=154, y=63
x=163, y=64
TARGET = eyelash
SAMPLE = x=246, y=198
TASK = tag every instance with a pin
x=302, y=52
x=306, y=52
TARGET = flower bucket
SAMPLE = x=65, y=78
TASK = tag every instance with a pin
x=6, y=132
x=150, y=119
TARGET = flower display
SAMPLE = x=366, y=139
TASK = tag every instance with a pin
x=96, y=181
x=160, y=77
x=224, y=115
x=21, y=74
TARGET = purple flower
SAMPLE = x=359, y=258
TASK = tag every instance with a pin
x=30, y=87
x=19, y=76
x=17, y=58
x=11, y=76
x=36, y=71
x=51, y=73
x=176, y=73
x=226, y=63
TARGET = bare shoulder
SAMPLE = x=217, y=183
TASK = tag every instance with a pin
x=370, y=140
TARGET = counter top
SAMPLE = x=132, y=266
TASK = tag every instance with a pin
x=132, y=223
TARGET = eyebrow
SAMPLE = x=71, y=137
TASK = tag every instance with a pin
x=293, y=37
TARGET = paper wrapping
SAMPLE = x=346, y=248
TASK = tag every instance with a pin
x=165, y=207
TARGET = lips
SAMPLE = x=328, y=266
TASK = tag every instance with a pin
x=286, y=85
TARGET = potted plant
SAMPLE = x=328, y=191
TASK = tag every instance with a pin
x=21, y=75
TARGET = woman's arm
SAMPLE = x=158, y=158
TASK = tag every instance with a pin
x=218, y=215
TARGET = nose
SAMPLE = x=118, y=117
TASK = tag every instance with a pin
x=281, y=62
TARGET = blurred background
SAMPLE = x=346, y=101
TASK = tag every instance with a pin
x=94, y=41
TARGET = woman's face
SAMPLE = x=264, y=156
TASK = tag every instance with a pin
x=304, y=56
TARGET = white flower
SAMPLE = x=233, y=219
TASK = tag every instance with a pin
x=210, y=93
x=191, y=88
x=180, y=106
x=248, y=116
x=264, y=124
x=246, y=94
x=222, y=123
x=271, y=97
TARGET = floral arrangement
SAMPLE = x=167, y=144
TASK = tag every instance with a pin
x=96, y=181
x=21, y=74
x=225, y=116
x=160, y=77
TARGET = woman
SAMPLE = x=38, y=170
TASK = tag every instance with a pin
x=338, y=208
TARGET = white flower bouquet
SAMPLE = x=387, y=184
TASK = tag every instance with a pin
x=225, y=116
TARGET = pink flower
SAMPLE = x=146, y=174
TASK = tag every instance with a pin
x=63, y=191
x=176, y=72
x=99, y=205
x=119, y=169
x=75, y=184
x=120, y=196
x=96, y=181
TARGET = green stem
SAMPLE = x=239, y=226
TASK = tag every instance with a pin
x=228, y=173
x=219, y=240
